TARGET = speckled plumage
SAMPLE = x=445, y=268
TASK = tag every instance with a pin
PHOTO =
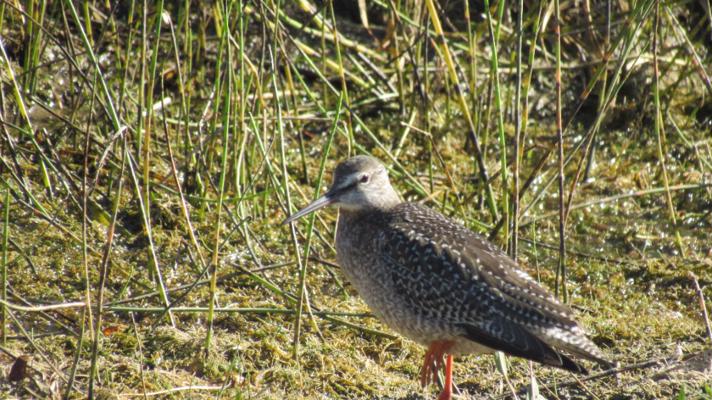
x=435, y=281
x=430, y=278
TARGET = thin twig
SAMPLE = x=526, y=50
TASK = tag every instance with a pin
x=47, y=307
x=703, y=306
x=204, y=388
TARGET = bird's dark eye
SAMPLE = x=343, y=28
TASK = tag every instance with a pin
x=364, y=178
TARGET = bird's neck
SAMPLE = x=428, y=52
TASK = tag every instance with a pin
x=386, y=199
x=352, y=216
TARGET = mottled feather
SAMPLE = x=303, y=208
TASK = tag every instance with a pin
x=445, y=279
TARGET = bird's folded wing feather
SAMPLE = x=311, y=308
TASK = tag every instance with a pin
x=438, y=264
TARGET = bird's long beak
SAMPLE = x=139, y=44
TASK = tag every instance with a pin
x=317, y=204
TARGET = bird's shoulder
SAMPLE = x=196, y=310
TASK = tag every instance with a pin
x=427, y=227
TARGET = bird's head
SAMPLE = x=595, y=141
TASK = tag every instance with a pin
x=359, y=183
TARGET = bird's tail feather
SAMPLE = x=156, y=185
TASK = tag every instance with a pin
x=510, y=338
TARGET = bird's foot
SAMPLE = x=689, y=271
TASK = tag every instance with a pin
x=434, y=360
x=446, y=394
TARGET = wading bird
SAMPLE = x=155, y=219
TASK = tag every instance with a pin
x=440, y=284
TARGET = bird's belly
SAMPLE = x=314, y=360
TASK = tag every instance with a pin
x=373, y=285
x=375, y=288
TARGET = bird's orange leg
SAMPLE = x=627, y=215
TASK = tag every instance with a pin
x=447, y=390
x=433, y=362
x=425, y=369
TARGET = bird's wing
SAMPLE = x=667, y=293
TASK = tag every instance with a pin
x=440, y=265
